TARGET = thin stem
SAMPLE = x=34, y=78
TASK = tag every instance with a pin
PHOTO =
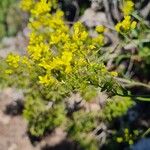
x=133, y=83
x=146, y=132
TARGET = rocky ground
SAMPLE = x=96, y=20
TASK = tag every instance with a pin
x=13, y=128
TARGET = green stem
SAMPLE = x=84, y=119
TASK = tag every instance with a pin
x=133, y=83
x=146, y=132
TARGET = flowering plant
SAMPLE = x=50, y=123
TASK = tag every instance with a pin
x=61, y=61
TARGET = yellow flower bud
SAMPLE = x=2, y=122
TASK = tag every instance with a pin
x=128, y=7
x=100, y=29
x=8, y=71
x=119, y=139
x=131, y=142
x=114, y=73
x=133, y=25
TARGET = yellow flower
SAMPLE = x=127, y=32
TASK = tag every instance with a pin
x=133, y=25
x=37, y=50
x=83, y=35
x=119, y=139
x=26, y=4
x=91, y=47
x=68, y=69
x=126, y=130
x=55, y=39
x=126, y=25
x=79, y=32
x=59, y=14
x=46, y=80
x=45, y=65
x=128, y=7
x=99, y=40
x=8, y=71
x=131, y=142
x=34, y=25
x=136, y=132
x=100, y=29
x=114, y=73
x=25, y=60
x=66, y=57
x=118, y=27
x=64, y=37
x=13, y=60
x=41, y=7
x=35, y=38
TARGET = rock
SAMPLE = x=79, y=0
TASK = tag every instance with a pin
x=91, y=18
x=89, y=107
x=13, y=147
x=4, y=119
x=16, y=45
x=74, y=102
x=57, y=136
x=96, y=4
x=11, y=95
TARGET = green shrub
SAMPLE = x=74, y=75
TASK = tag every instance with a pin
x=117, y=107
x=62, y=60
x=10, y=18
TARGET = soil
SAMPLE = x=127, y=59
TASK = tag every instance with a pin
x=13, y=128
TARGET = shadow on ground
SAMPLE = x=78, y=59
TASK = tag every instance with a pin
x=64, y=145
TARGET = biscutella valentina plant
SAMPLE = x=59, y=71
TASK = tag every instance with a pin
x=60, y=61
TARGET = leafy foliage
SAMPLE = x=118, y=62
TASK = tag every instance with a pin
x=117, y=107
x=42, y=117
x=9, y=25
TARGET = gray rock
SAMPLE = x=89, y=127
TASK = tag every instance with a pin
x=91, y=18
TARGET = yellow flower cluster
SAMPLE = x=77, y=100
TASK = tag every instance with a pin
x=126, y=25
x=128, y=7
x=128, y=137
x=58, y=63
x=78, y=34
x=53, y=47
x=41, y=7
x=99, y=40
x=27, y=4
x=36, y=51
x=38, y=8
x=13, y=60
x=46, y=80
